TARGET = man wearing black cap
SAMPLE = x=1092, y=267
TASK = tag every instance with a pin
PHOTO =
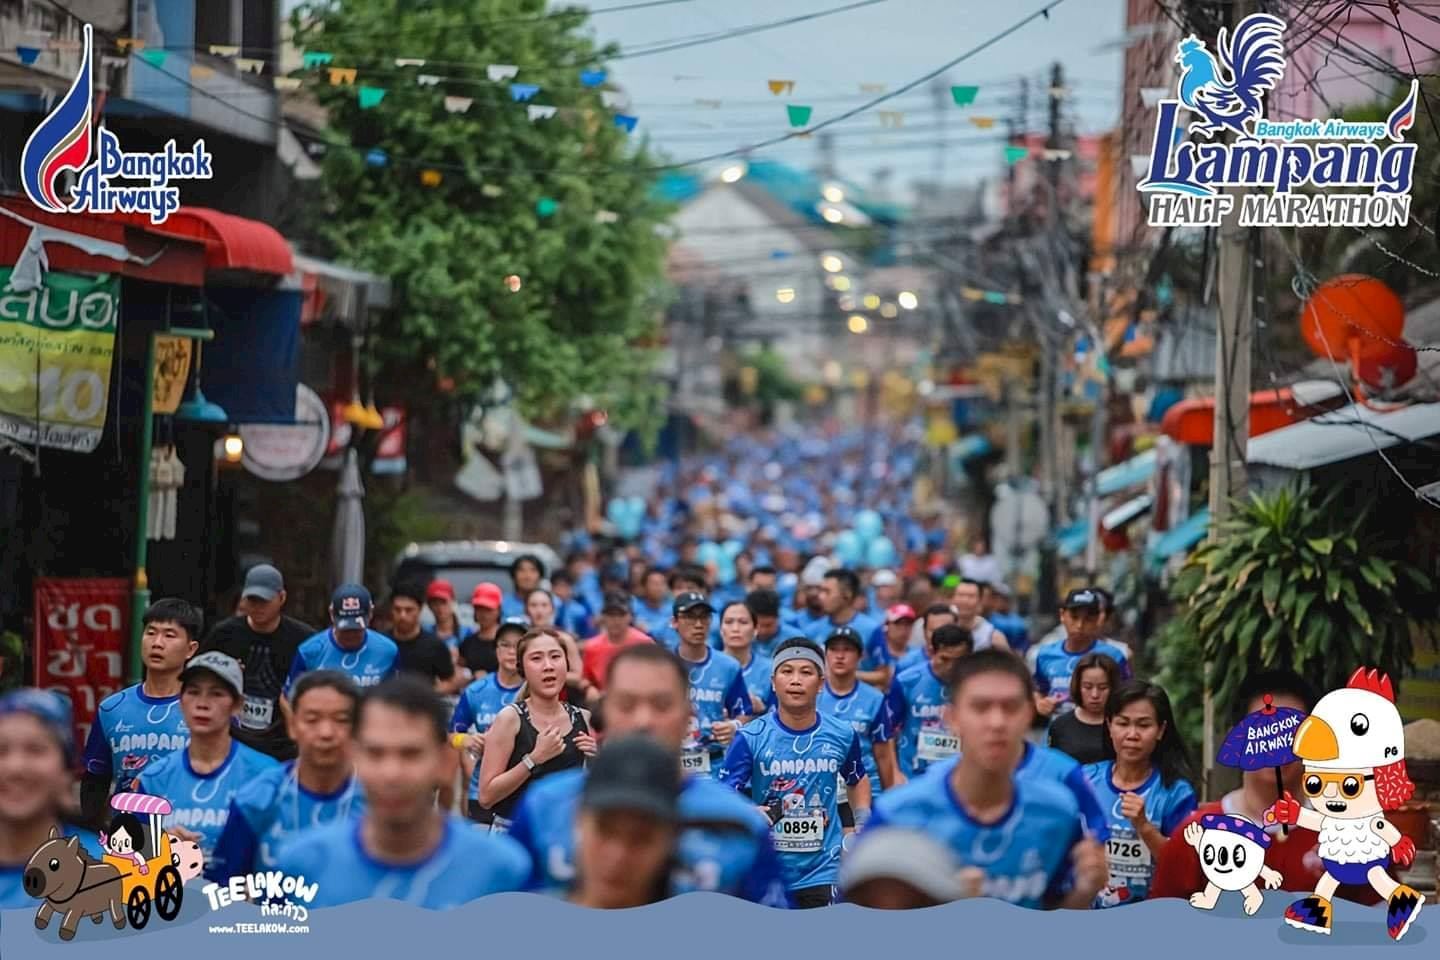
x=628, y=827
x=1055, y=659
x=349, y=646
x=717, y=685
x=860, y=705
x=264, y=642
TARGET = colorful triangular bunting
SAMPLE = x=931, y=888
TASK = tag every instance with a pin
x=430, y=178
x=287, y=83
x=342, y=75
x=592, y=78
x=458, y=104
x=370, y=97
x=28, y=55
x=409, y=62
x=198, y=71
x=223, y=50
x=545, y=206
x=499, y=72
x=377, y=158
x=626, y=123
x=984, y=123
x=964, y=96
x=799, y=115
x=129, y=43
x=312, y=60
x=426, y=79
x=778, y=87
x=250, y=65
x=1014, y=155
x=613, y=99
x=520, y=92
x=538, y=112
x=156, y=58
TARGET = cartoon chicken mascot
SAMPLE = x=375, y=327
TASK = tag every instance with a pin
x=1353, y=749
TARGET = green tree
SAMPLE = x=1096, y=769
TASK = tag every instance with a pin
x=516, y=199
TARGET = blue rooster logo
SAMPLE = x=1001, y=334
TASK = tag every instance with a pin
x=1229, y=94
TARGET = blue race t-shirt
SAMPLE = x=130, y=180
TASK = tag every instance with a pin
x=728, y=851
x=819, y=630
x=373, y=662
x=201, y=802
x=877, y=650
x=759, y=677
x=271, y=810
x=1054, y=666
x=468, y=864
x=651, y=619
x=917, y=704
x=1025, y=854
x=1043, y=763
x=1132, y=865
x=717, y=692
x=476, y=710
x=800, y=770
x=132, y=731
x=12, y=875
x=866, y=711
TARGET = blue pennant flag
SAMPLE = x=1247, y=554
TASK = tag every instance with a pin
x=28, y=55
x=625, y=122
x=592, y=78
x=377, y=158
x=520, y=92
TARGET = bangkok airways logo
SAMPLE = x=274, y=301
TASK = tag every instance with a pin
x=69, y=140
x=1292, y=164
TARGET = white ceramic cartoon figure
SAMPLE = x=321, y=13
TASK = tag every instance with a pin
x=1232, y=856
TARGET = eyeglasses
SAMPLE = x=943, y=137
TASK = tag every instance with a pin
x=1351, y=784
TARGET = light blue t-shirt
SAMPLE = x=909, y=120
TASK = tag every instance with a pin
x=132, y=731
x=373, y=662
x=917, y=704
x=201, y=801
x=1132, y=865
x=270, y=811
x=1054, y=665
x=716, y=857
x=717, y=692
x=1043, y=763
x=480, y=702
x=797, y=769
x=819, y=630
x=759, y=677
x=468, y=864
x=866, y=710
x=1025, y=853
x=651, y=619
x=12, y=875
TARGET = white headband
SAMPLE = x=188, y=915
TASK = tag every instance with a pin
x=800, y=653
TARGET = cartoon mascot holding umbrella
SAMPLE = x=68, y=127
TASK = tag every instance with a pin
x=1353, y=749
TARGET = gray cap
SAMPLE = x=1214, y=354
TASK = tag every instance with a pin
x=225, y=667
x=895, y=853
x=263, y=582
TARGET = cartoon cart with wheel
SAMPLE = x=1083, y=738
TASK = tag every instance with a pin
x=160, y=885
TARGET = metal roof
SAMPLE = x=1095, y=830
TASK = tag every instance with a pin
x=1344, y=434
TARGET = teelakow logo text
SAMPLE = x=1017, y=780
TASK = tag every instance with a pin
x=277, y=893
x=1278, y=158
x=67, y=139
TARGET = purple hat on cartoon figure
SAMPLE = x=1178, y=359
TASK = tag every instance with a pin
x=1230, y=823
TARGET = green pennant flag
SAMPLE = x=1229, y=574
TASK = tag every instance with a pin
x=799, y=116
x=546, y=206
x=370, y=97
x=156, y=58
x=316, y=59
x=964, y=96
x=1014, y=155
x=994, y=296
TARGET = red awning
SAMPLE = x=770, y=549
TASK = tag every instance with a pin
x=231, y=242
x=178, y=261
x=1193, y=421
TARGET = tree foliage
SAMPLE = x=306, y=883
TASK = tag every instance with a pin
x=589, y=290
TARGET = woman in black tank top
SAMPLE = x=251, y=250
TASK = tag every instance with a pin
x=536, y=736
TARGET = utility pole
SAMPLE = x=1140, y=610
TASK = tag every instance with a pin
x=1234, y=336
x=939, y=91
x=1016, y=129
x=1049, y=385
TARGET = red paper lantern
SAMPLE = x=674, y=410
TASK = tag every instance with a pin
x=1347, y=307
x=1394, y=367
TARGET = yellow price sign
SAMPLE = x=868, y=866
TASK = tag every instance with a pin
x=172, y=369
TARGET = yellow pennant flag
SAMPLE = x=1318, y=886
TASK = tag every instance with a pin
x=129, y=43
x=342, y=75
x=431, y=178
x=200, y=71
x=984, y=123
x=778, y=87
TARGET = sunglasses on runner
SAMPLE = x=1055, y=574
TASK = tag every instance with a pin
x=1351, y=784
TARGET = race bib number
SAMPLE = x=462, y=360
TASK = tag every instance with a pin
x=842, y=793
x=257, y=713
x=937, y=745
x=695, y=761
x=802, y=833
x=1128, y=858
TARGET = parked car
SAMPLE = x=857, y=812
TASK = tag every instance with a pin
x=467, y=564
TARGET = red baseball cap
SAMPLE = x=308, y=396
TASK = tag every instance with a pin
x=440, y=590
x=486, y=595
x=900, y=613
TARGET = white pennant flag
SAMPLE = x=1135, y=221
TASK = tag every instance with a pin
x=498, y=72
x=458, y=104
x=408, y=62
x=1152, y=95
x=426, y=79
x=612, y=98
x=1057, y=154
x=1139, y=163
x=540, y=113
x=606, y=216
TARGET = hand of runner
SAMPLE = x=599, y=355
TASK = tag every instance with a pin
x=548, y=745
x=723, y=731
x=475, y=745
x=1045, y=706
x=1132, y=808
x=586, y=743
x=1090, y=867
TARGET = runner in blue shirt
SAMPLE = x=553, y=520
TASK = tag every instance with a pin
x=366, y=656
x=37, y=751
x=479, y=704
x=737, y=633
x=724, y=846
x=143, y=723
x=1023, y=833
x=316, y=788
x=790, y=762
x=652, y=603
x=571, y=614
x=202, y=779
x=917, y=703
x=403, y=848
x=525, y=575
x=837, y=595
x=717, y=686
x=1055, y=659
x=1144, y=787
x=887, y=646
x=860, y=705
x=1044, y=763
x=770, y=625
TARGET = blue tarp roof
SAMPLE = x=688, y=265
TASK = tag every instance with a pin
x=1179, y=539
x=1133, y=472
x=1069, y=541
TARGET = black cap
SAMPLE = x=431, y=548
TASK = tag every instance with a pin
x=686, y=602
x=615, y=602
x=517, y=624
x=634, y=773
x=1078, y=599
x=845, y=635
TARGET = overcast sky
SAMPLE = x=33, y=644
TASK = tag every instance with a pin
x=890, y=42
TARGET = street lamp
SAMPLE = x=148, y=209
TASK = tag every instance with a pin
x=733, y=173
x=234, y=447
x=889, y=311
x=830, y=263
x=833, y=193
x=785, y=294
x=832, y=214
x=908, y=300
x=840, y=283
x=858, y=324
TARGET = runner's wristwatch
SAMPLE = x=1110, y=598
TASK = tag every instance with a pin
x=529, y=764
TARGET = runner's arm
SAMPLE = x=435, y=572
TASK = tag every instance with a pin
x=497, y=783
x=887, y=763
x=879, y=678
x=99, y=775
